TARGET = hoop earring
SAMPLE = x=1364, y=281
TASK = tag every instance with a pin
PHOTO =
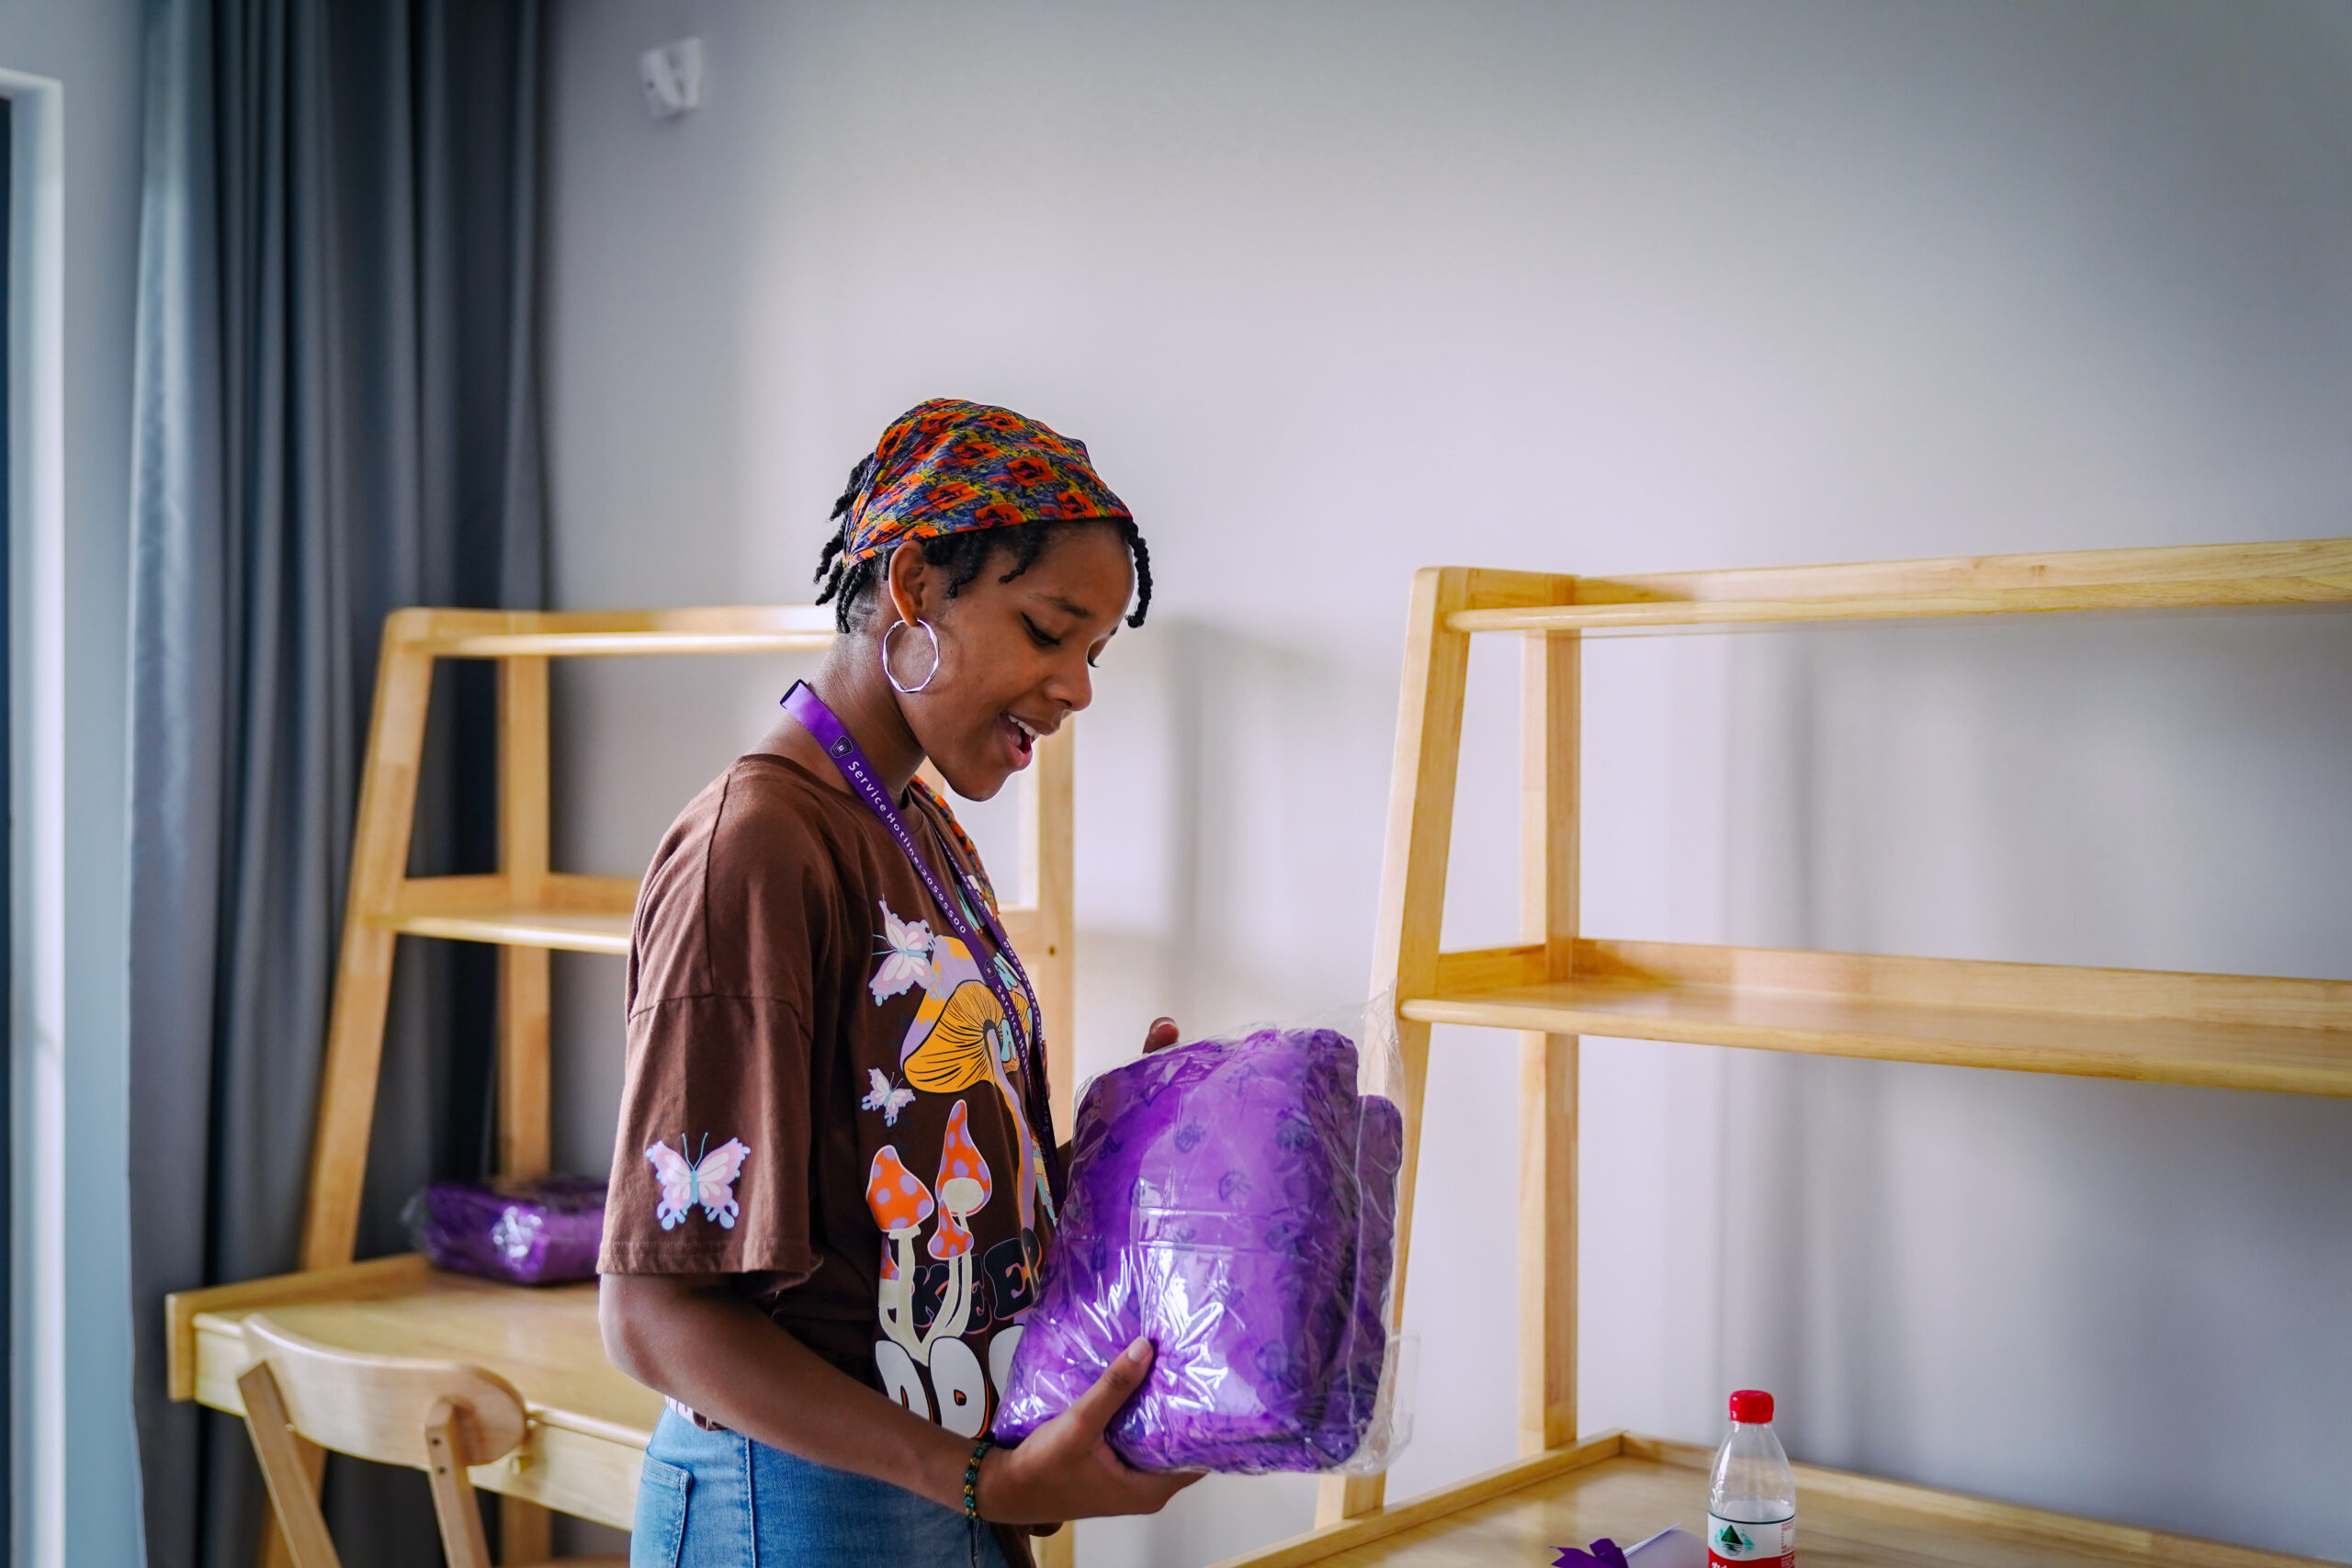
x=889, y=675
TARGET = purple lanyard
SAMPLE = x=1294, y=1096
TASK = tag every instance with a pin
x=806, y=707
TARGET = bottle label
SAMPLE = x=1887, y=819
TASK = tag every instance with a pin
x=1734, y=1541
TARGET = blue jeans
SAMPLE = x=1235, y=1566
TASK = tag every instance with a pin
x=719, y=1500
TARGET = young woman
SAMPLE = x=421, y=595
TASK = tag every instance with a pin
x=836, y=1177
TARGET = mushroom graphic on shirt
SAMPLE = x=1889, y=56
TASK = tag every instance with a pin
x=964, y=1187
x=899, y=1204
x=962, y=1040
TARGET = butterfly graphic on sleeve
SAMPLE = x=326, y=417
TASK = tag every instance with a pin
x=907, y=959
x=710, y=1181
x=883, y=1098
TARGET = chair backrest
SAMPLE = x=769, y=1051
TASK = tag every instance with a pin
x=374, y=1407
x=438, y=1416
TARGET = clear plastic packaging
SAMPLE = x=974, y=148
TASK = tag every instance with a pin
x=543, y=1230
x=1234, y=1201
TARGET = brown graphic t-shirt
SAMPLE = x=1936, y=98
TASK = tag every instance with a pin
x=823, y=1095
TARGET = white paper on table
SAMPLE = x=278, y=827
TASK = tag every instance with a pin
x=1670, y=1548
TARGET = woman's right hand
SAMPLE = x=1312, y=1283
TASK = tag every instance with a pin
x=1066, y=1471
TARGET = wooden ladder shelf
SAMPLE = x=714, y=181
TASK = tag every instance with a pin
x=2293, y=1036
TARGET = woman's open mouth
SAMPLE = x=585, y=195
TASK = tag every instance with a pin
x=1021, y=736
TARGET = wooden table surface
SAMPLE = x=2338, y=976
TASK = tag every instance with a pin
x=590, y=1422
x=1843, y=1521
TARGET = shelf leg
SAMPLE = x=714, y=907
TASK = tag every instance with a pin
x=363, y=982
x=1412, y=900
x=1547, y=1242
x=526, y=1531
x=1550, y=735
x=1058, y=1549
x=1055, y=972
x=525, y=999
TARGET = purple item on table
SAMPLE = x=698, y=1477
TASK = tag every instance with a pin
x=1235, y=1202
x=539, y=1231
x=1604, y=1553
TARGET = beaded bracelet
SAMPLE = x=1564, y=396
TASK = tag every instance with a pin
x=972, y=1479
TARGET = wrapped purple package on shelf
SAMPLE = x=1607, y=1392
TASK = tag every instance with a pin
x=542, y=1230
x=1234, y=1201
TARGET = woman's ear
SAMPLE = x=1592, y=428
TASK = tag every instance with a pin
x=908, y=582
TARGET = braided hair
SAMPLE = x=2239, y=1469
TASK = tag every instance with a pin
x=847, y=586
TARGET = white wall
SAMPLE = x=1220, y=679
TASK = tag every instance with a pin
x=93, y=48
x=1337, y=291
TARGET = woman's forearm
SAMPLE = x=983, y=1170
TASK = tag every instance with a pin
x=698, y=1341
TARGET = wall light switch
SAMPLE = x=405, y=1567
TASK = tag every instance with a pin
x=672, y=76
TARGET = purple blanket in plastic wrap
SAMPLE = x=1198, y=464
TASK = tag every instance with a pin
x=539, y=1231
x=1235, y=1202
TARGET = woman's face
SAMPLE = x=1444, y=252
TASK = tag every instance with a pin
x=1014, y=657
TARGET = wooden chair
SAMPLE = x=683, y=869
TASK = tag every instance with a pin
x=438, y=1416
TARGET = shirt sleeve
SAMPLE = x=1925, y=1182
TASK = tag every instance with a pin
x=712, y=1165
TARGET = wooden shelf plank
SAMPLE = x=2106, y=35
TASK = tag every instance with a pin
x=2309, y=571
x=593, y=931
x=590, y=1422
x=566, y=930
x=571, y=634
x=2292, y=1061
x=2217, y=1030
x=1606, y=618
x=1629, y=1488
x=577, y=645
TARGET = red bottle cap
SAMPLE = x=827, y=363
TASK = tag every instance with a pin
x=1751, y=1404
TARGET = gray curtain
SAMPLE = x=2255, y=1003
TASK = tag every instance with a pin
x=337, y=414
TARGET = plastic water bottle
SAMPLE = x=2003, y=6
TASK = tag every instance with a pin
x=1752, y=1507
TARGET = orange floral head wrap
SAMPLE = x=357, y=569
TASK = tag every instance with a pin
x=949, y=466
